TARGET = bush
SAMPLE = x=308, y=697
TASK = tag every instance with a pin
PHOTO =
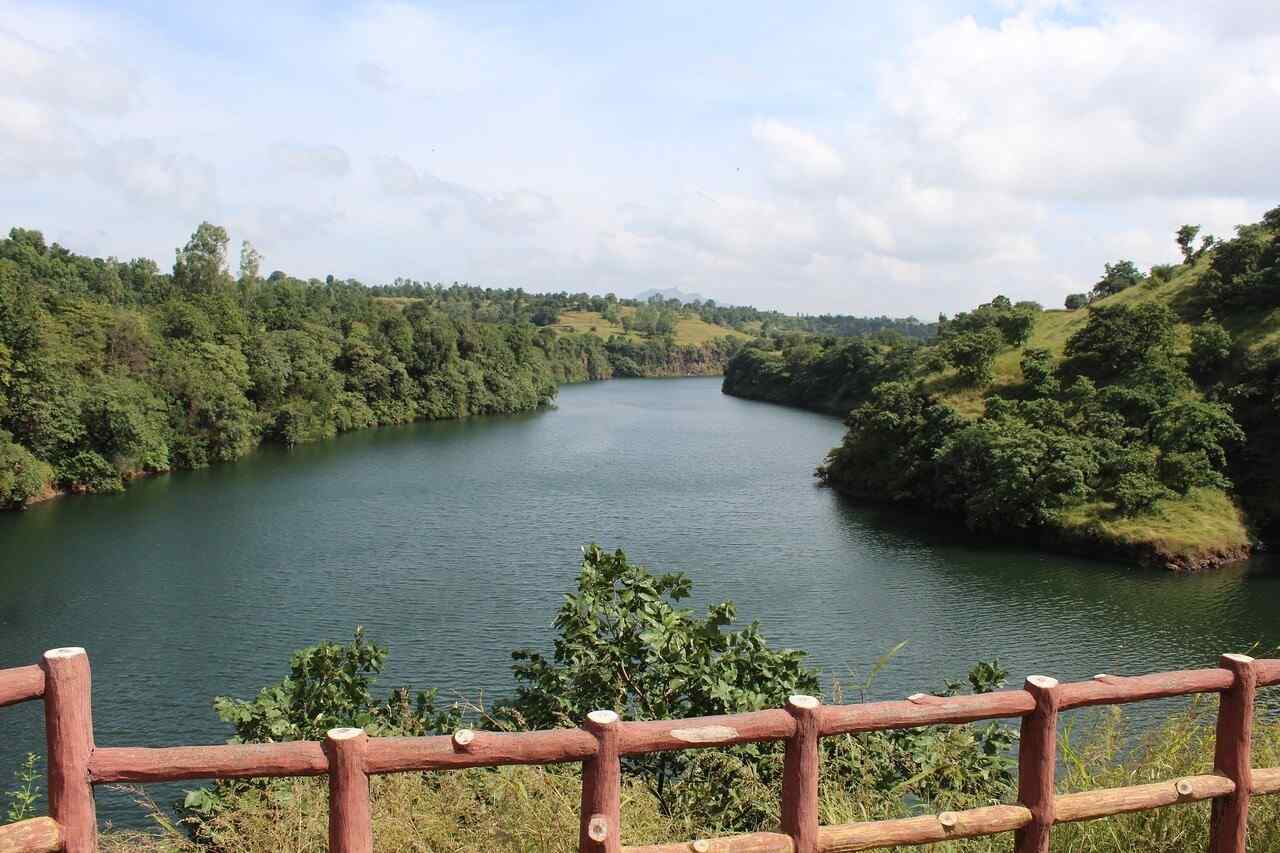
x=22, y=475
x=1076, y=301
x=89, y=472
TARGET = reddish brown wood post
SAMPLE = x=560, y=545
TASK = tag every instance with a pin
x=1037, y=761
x=68, y=726
x=601, y=830
x=1229, y=819
x=350, y=821
x=800, y=776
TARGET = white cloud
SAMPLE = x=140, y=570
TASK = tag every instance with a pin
x=797, y=158
x=310, y=160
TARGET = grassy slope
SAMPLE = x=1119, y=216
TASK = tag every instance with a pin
x=1186, y=531
x=690, y=328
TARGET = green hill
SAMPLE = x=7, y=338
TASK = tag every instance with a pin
x=1139, y=426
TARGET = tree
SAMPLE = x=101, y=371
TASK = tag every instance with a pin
x=1116, y=277
x=1186, y=238
x=1210, y=348
x=622, y=644
x=250, y=265
x=973, y=354
x=1076, y=301
x=201, y=266
x=1122, y=338
x=22, y=475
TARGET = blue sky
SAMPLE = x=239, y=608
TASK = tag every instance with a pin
x=846, y=157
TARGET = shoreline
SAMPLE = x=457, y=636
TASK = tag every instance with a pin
x=51, y=492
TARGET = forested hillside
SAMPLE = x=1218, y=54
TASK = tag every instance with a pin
x=113, y=369
x=1138, y=423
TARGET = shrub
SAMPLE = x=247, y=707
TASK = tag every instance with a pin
x=22, y=475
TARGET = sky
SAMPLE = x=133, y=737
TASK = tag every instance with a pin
x=845, y=157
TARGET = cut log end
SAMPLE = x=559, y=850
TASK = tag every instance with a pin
x=463, y=738
x=344, y=733
x=948, y=819
x=1184, y=788
x=603, y=718
x=800, y=700
x=1237, y=658
x=64, y=653
x=700, y=846
x=598, y=828
x=1044, y=682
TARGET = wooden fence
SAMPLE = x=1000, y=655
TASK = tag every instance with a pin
x=349, y=757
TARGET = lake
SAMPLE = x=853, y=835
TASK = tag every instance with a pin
x=453, y=542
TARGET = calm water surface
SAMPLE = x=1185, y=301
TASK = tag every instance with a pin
x=453, y=542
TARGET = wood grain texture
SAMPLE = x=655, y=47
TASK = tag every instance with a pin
x=1266, y=781
x=874, y=716
x=1268, y=672
x=350, y=821
x=21, y=684
x=1117, y=690
x=1037, y=761
x=1088, y=805
x=800, y=775
x=927, y=829
x=601, y=814
x=224, y=761
x=755, y=842
x=38, y=835
x=68, y=723
x=483, y=749
x=638, y=738
x=1229, y=818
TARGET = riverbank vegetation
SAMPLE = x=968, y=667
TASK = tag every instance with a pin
x=1139, y=424
x=111, y=369
x=623, y=642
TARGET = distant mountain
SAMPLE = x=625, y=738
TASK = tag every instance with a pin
x=671, y=293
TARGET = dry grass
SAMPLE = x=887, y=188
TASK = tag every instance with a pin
x=532, y=810
x=525, y=809
x=1202, y=523
x=690, y=328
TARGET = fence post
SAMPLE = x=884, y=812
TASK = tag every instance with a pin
x=350, y=821
x=601, y=818
x=68, y=726
x=1232, y=756
x=800, y=776
x=1037, y=761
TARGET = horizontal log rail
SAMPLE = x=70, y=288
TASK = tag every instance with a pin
x=76, y=764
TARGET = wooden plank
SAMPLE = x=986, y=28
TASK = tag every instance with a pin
x=600, y=818
x=755, y=842
x=874, y=716
x=1088, y=805
x=21, y=684
x=1116, y=690
x=638, y=738
x=350, y=821
x=800, y=776
x=68, y=723
x=1229, y=819
x=1268, y=672
x=1266, y=781
x=37, y=835
x=1037, y=761
x=224, y=761
x=929, y=829
x=480, y=749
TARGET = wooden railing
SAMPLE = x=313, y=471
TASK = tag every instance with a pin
x=349, y=757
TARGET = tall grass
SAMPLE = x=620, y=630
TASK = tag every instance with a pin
x=535, y=810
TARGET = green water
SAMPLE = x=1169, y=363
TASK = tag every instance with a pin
x=453, y=543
